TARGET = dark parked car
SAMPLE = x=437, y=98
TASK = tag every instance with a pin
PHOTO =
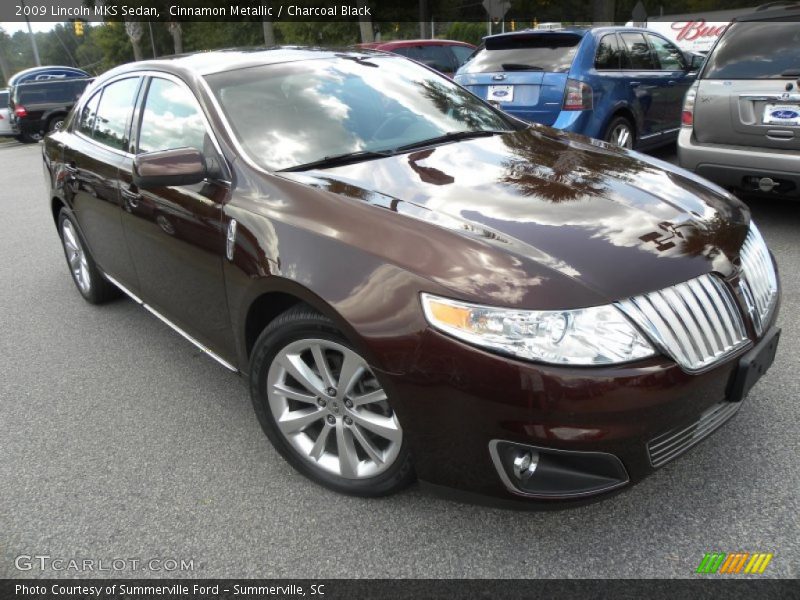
x=42, y=106
x=46, y=73
x=414, y=282
x=619, y=84
x=446, y=56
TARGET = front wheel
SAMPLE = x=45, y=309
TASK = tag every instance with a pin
x=324, y=409
x=620, y=132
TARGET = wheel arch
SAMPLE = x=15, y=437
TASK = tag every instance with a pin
x=623, y=110
x=273, y=296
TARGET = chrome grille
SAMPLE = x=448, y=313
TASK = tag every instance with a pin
x=761, y=282
x=675, y=442
x=697, y=323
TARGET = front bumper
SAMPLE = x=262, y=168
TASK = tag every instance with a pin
x=740, y=167
x=457, y=401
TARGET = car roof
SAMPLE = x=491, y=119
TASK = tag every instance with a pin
x=405, y=43
x=217, y=61
x=580, y=31
x=772, y=10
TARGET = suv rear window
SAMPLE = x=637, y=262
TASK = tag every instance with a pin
x=63, y=91
x=551, y=52
x=763, y=50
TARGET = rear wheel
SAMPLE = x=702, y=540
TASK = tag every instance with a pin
x=56, y=123
x=620, y=132
x=324, y=409
x=87, y=277
x=29, y=138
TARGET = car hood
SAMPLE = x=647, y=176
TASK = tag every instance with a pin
x=618, y=222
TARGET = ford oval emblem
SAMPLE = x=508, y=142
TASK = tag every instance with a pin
x=503, y=93
x=785, y=114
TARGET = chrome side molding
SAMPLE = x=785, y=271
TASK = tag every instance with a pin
x=172, y=325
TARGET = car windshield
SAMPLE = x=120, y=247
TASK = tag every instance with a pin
x=545, y=51
x=291, y=114
x=764, y=50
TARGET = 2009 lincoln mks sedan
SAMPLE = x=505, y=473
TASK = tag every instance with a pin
x=416, y=284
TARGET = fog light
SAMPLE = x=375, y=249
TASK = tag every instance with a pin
x=525, y=465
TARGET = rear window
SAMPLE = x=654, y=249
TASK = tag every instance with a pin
x=551, y=52
x=765, y=50
x=3, y=99
x=66, y=91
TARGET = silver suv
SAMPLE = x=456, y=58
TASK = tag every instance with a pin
x=741, y=118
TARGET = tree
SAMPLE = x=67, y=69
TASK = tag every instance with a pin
x=177, y=36
x=365, y=24
x=5, y=67
x=134, y=31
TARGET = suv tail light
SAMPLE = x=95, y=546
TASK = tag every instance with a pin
x=578, y=95
x=687, y=114
x=21, y=112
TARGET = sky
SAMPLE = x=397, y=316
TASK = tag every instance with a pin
x=10, y=28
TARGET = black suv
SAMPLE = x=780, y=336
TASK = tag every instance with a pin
x=39, y=107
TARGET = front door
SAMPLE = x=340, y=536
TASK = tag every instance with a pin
x=175, y=234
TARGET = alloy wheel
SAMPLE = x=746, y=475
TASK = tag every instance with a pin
x=330, y=407
x=76, y=256
x=622, y=135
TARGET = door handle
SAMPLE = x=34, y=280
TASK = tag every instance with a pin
x=671, y=82
x=131, y=197
x=635, y=84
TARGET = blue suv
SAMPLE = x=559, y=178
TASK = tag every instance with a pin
x=619, y=84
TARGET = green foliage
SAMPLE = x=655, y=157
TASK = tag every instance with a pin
x=467, y=32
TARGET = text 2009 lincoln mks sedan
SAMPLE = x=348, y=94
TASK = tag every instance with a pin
x=416, y=284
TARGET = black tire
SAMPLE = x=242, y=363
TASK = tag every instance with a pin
x=298, y=323
x=52, y=123
x=28, y=138
x=611, y=132
x=99, y=289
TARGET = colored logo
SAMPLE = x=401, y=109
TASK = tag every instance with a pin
x=785, y=114
x=734, y=563
x=503, y=94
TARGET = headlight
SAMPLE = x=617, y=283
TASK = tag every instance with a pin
x=600, y=335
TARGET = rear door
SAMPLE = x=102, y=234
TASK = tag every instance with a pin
x=648, y=83
x=96, y=146
x=525, y=74
x=742, y=97
x=675, y=73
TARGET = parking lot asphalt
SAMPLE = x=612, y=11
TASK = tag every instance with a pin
x=118, y=439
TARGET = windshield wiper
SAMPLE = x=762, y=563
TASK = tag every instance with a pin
x=342, y=159
x=450, y=137
x=520, y=67
x=790, y=73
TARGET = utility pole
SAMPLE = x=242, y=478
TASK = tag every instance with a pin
x=33, y=38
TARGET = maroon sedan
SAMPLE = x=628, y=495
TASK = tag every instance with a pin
x=446, y=56
x=416, y=284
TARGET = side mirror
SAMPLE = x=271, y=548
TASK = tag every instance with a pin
x=181, y=166
x=696, y=61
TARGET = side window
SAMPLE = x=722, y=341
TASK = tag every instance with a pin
x=462, y=53
x=114, y=113
x=639, y=55
x=670, y=58
x=88, y=116
x=608, y=54
x=171, y=118
x=438, y=58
